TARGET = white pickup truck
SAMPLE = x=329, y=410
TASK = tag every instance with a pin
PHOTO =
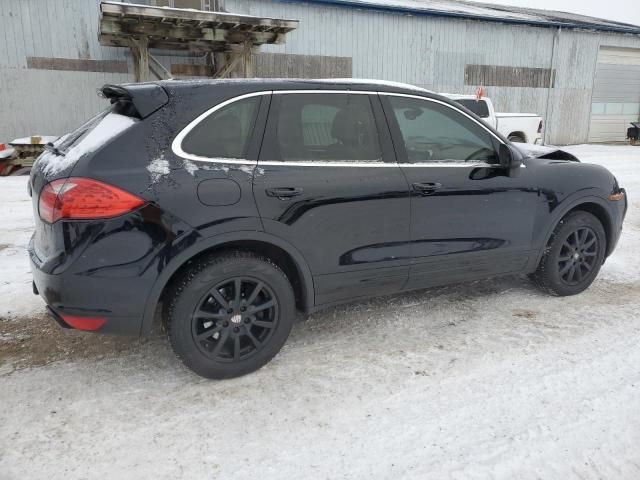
x=517, y=127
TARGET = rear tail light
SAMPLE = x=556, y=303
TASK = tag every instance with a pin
x=82, y=199
x=540, y=127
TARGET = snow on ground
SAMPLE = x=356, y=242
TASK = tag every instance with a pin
x=16, y=227
x=490, y=379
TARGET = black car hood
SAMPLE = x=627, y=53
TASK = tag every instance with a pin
x=540, y=151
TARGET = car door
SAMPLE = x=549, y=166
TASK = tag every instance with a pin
x=470, y=217
x=328, y=183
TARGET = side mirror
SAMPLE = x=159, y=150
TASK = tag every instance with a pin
x=507, y=158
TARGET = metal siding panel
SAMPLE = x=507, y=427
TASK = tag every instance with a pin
x=426, y=51
x=617, y=83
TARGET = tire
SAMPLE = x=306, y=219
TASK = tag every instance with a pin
x=516, y=138
x=577, y=243
x=633, y=141
x=215, y=335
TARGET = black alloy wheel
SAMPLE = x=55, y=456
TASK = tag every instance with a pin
x=230, y=313
x=578, y=255
x=235, y=319
x=573, y=256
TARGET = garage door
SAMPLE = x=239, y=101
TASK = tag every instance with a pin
x=616, y=94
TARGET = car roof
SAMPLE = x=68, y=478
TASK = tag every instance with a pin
x=257, y=84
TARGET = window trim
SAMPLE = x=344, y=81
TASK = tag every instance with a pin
x=176, y=145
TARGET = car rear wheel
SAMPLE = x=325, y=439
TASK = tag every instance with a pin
x=573, y=256
x=230, y=314
x=515, y=138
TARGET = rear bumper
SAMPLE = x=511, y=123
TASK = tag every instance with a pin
x=119, y=301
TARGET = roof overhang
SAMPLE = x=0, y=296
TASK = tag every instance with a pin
x=183, y=29
x=487, y=12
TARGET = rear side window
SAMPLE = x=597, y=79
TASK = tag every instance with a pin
x=225, y=133
x=432, y=132
x=325, y=127
x=479, y=107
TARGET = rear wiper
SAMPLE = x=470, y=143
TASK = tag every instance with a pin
x=50, y=147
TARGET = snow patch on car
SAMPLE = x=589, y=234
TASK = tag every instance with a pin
x=109, y=127
x=190, y=167
x=251, y=170
x=158, y=168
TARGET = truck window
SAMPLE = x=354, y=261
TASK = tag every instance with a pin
x=479, y=107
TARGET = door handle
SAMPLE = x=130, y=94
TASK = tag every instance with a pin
x=426, y=188
x=284, y=192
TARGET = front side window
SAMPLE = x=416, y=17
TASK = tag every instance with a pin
x=433, y=132
x=326, y=127
x=225, y=133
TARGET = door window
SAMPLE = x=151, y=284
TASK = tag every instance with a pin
x=432, y=132
x=325, y=127
x=225, y=133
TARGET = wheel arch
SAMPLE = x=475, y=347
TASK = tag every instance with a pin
x=593, y=205
x=279, y=251
x=519, y=134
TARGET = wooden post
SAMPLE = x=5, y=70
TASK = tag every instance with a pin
x=220, y=62
x=140, y=54
x=248, y=64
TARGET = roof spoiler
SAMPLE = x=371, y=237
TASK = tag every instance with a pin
x=145, y=98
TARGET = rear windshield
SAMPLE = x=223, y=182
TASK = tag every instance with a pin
x=479, y=107
x=67, y=141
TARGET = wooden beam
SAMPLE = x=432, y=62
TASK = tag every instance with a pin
x=248, y=63
x=158, y=69
x=230, y=65
x=140, y=54
x=157, y=29
x=117, y=9
x=166, y=33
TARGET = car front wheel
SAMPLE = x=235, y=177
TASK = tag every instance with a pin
x=230, y=314
x=573, y=256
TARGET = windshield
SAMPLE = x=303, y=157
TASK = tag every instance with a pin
x=479, y=107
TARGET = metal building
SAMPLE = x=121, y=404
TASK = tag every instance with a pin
x=581, y=74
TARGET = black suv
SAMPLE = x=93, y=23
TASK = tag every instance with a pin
x=219, y=208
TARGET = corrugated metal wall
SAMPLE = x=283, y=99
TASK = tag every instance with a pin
x=428, y=51
x=616, y=94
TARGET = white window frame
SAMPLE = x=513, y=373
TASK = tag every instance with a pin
x=176, y=145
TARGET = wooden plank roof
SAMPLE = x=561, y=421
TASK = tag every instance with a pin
x=184, y=29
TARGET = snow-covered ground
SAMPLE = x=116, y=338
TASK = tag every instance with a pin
x=490, y=379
